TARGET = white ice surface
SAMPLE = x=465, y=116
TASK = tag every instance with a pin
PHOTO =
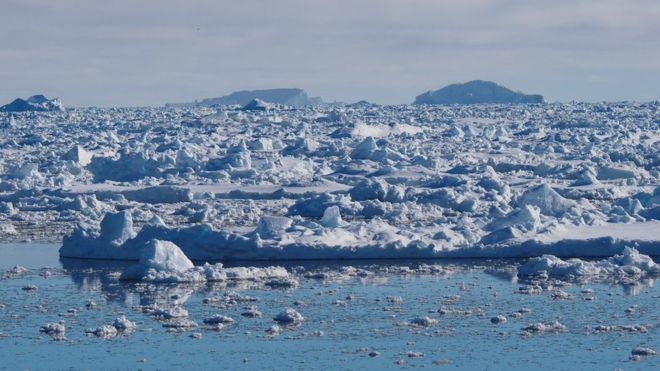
x=407, y=181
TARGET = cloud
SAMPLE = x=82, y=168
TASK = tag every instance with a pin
x=150, y=52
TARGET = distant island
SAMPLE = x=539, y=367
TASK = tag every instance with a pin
x=35, y=103
x=476, y=92
x=287, y=96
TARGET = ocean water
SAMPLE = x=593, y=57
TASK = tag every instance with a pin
x=345, y=320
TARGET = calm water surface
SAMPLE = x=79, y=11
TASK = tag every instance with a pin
x=344, y=321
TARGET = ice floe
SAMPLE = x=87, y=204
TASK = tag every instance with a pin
x=629, y=264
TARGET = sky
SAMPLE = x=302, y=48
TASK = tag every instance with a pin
x=152, y=52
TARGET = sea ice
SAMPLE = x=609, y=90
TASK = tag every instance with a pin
x=289, y=316
x=404, y=181
x=629, y=264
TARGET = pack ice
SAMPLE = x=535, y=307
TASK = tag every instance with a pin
x=276, y=182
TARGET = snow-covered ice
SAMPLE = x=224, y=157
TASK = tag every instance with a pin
x=540, y=327
x=630, y=264
x=57, y=330
x=164, y=262
x=272, y=182
x=289, y=316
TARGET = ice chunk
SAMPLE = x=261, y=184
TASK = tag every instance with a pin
x=630, y=257
x=423, y=322
x=28, y=170
x=15, y=271
x=609, y=173
x=56, y=330
x=644, y=352
x=122, y=324
x=528, y=217
x=270, y=227
x=332, y=218
x=370, y=189
x=630, y=263
x=157, y=221
x=128, y=167
x=547, y=200
x=262, y=144
x=160, y=256
x=218, y=319
x=284, y=282
x=540, y=327
x=116, y=228
x=500, y=235
x=289, y=316
x=274, y=330
x=8, y=228
x=251, y=312
x=79, y=155
x=180, y=324
x=365, y=149
x=105, y=331
x=498, y=319
x=587, y=177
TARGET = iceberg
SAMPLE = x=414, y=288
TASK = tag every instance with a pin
x=476, y=92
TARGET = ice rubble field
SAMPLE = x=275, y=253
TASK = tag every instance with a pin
x=200, y=213
x=344, y=182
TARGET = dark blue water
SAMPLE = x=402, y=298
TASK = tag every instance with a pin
x=334, y=335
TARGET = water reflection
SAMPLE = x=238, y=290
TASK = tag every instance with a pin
x=99, y=275
x=635, y=288
x=103, y=276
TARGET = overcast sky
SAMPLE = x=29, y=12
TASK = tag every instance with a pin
x=149, y=52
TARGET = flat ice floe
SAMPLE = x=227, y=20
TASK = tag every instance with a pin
x=283, y=238
x=336, y=182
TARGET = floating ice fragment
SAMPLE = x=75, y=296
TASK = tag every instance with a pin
x=105, y=331
x=274, y=330
x=423, y=322
x=122, y=324
x=284, y=282
x=498, y=319
x=630, y=263
x=251, y=312
x=218, y=318
x=289, y=316
x=179, y=324
x=541, y=327
x=644, y=352
x=55, y=330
